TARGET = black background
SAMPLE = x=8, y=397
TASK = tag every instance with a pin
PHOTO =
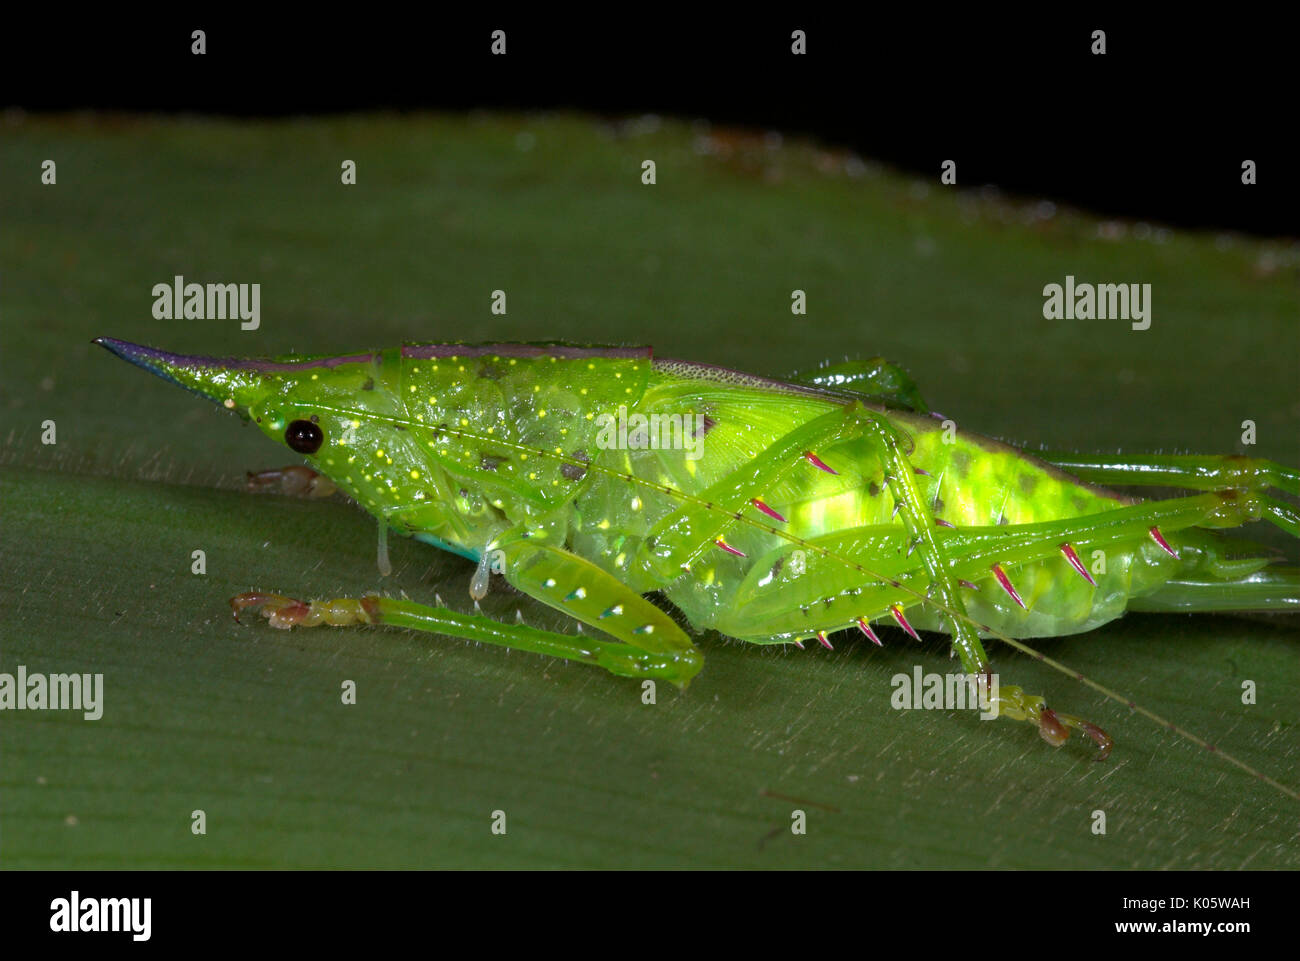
x=1154, y=130
x=913, y=914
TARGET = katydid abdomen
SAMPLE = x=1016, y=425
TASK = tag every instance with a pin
x=761, y=588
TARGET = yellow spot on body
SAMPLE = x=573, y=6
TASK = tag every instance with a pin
x=590, y=366
x=464, y=422
x=620, y=561
x=604, y=524
x=352, y=459
x=636, y=503
x=523, y=457
x=379, y=452
x=355, y=424
x=415, y=475
x=618, y=375
x=315, y=376
x=590, y=415
x=532, y=475
x=433, y=401
x=536, y=388
x=513, y=361
x=690, y=467
x=541, y=413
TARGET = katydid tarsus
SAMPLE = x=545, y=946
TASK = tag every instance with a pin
x=770, y=511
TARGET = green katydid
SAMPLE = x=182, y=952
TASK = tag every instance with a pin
x=772, y=511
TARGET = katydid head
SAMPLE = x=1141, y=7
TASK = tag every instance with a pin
x=312, y=405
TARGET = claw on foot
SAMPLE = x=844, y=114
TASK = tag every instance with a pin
x=1053, y=727
x=286, y=612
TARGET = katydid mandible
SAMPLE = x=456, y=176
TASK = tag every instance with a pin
x=774, y=512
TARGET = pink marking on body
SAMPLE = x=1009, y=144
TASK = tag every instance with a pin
x=902, y=621
x=921, y=471
x=799, y=644
x=968, y=584
x=729, y=549
x=817, y=462
x=943, y=523
x=822, y=640
x=1005, y=581
x=766, y=510
x=1072, y=556
x=1159, y=539
x=866, y=629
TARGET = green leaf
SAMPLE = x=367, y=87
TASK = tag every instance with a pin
x=247, y=724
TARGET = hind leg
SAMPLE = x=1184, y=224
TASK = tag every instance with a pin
x=1194, y=472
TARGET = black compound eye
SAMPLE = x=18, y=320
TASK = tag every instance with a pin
x=304, y=437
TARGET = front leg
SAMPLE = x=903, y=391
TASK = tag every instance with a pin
x=296, y=480
x=621, y=659
x=648, y=642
